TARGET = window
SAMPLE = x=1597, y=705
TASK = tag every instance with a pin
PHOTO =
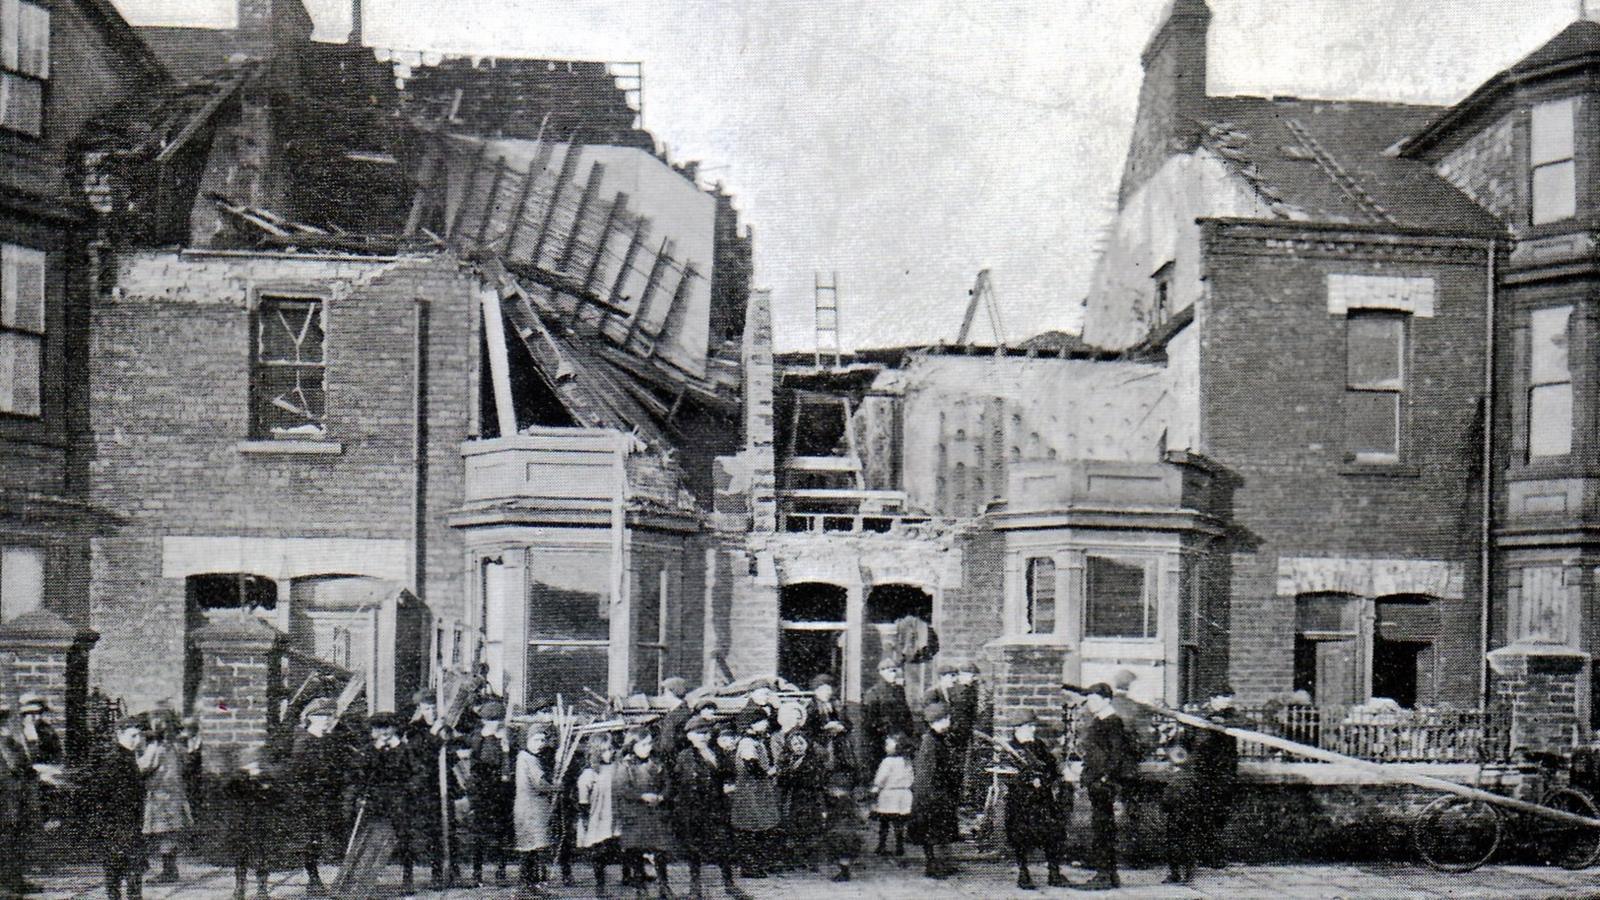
x=652, y=631
x=1161, y=307
x=1374, y=385
x=21, y=328
x=21, y=581
x=1549, y=383
x=1555, y=180
x=1116, y=603
x=24, y=65
x=1041, y=596
x=289, y=368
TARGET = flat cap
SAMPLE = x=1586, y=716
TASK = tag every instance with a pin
x=1100, y=688
x=820, y=679
x=32, y=703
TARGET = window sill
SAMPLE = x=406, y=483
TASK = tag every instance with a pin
x=1032, y=640
x=290, y=448
x=1381, y=470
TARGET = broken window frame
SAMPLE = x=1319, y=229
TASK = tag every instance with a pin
x=22, y=330
x=1359, y=389
x=24, y=66
x=1038, y=593
x=1551, y=154
x=260, y=427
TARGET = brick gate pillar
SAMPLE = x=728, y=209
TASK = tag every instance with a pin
x=241, y=670
x=50, y=657
x=1546, y=691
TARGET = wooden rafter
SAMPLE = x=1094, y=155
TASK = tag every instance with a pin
x=663, y=259
x=466, y=195
x=641, y=233
x=597, y=173
x=500, y=169
x=618, y=210
x=569, y=167
x=676, y=305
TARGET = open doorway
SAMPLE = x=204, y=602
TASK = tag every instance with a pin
x=811, y=632
x=888, y=604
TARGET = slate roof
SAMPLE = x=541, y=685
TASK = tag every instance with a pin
x=188, y=52
x=1580, y=39
x=1329, y=161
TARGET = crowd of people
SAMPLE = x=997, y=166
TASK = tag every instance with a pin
x=768, y=778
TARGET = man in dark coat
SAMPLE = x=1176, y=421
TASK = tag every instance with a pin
x=117, y=798
x=1216, y=764
x=38, y=735
x=250, y=801
x=386, y=807
x=701, y=777
x=829, y=727
x=491, y=791
x=318, y=765
x=884, y=711
x=428, y=735
x=933, y=793
x=1034, y=815
x=1109, y=762
x=963, y=705
x=674, y=718
x=17, y=784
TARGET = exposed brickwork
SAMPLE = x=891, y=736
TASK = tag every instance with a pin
x=50, y=658
x=239, y=687
x=971, y=615
x=1272, y=353
x=1172, y=95
x=752, y=622
x=170, y=382
x=1026, y=678
x=1545, y=692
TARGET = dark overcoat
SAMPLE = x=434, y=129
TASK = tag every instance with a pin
x=935, y=791
x=884, y=711
x=699, y=803
x=315, y=781
x=642, y=826
x=117, y=806
x=803, y=786
x=755, y=804
x=492, y=790
x=1034, y=812
x=387, y=783
x=1110, y=757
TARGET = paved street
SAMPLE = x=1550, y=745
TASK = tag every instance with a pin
x=879, y=879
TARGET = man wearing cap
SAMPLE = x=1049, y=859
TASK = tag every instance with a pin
x=676, y=713
x=492, y=794
x=933, y=793
x=385, y=807
x=1216, y=769
x=38, y=736
x=318, y=765
x=700, y=805
x=884, y=711
x=117, y=798
x=427, y=734
x=1034, y=814
x=1109, y=761
x=828, y=726
x=962, y=712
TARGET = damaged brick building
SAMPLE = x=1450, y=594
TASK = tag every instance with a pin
x=397, y=366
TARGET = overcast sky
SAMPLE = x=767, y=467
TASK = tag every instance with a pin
x=907, y=143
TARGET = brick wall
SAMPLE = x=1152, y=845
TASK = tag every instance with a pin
x=1273, y=382
x=971, y=615
x=239, y=687
x=170, y=391
x=1172, y=95
x=1546, y=693
x=1026, y=678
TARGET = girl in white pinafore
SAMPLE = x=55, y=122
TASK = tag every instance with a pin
x=597, y=822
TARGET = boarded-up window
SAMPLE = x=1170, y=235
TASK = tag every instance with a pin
x=1041, y=588
x=1374, y=385
x=21, y=580
x=22, y=326
x=1546, y=610
x=289, y=368
x=1555, y=177
x=1117, y=605
x=1549, y=383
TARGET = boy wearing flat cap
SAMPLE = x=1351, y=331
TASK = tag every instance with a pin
x=934, y=793
x=318, y=765
x=1109, y=762
x=118, y=801
x=1035, y=816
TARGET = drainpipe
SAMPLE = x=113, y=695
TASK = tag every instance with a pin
x=419, y=450
x=1485, y=554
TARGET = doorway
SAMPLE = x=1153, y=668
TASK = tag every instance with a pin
x=811, y=632
x=887, y=605
x=1395, y=665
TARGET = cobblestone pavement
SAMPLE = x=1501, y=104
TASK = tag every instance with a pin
x=877, y=878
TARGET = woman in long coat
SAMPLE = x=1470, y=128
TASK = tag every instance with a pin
x=934, y=792
x=166, y=807
x=755, y=810
x=803, y=785
x=530, y=811
x=642, y=785
x=701, y=778
x=1034, y=814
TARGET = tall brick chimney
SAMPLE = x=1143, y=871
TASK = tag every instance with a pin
x=1172, y=98
x=356, y=35
x=264, y=25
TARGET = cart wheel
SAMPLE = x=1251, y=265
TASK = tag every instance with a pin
x=1455, y=834
x=1568, y=845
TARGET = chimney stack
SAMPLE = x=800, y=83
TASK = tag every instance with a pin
x=355, y=24
x=1172, y=99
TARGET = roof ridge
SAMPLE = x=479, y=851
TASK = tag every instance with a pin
x=1341, y=177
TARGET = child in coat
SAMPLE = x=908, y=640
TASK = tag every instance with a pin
x=534, y=802
x=597, y=824
x=891, y=790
